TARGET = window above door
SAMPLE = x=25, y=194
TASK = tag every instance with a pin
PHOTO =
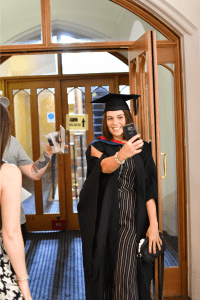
x=71, y=63
x=66, y=21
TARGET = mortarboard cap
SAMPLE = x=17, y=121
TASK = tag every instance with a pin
x=117, y=101
x=5, y=101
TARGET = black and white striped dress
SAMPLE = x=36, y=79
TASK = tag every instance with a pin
x=126, y=266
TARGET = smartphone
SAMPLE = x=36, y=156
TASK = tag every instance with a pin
x=130, y=131
x=63, y=139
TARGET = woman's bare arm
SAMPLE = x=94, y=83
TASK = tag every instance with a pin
x=38, y=168
x=130, y=148
x=152, y=232
x=11, y=181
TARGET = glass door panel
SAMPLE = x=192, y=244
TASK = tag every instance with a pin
x=23, y=133
x=47, y=124
x=142, y=80
x=145, y=109
x=76, y=97
x=159, y=129
x=169, y=175
x=77, y=144
x=98, y=108
x=35, y=113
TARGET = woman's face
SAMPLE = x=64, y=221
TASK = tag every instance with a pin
x=115, y=122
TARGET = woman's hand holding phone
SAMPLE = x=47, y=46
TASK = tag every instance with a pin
x=131, y=147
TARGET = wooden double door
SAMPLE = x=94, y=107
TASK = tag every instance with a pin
x=40, y=105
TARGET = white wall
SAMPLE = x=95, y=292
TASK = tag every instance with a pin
x=191, y=11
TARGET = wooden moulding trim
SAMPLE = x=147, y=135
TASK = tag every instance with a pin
x=167, y=67
x=120, y=56
x=46, y=21
x=148, y=17
x=3, y=59
x=43, y=19
x=6, y=50
x=63, y=77
x=35, y=222
x=181, y=164
x=165, y=44
x=76, y=47
x=166, y=55
x=59, y=64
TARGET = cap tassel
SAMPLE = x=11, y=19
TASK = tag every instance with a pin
x=135, y=105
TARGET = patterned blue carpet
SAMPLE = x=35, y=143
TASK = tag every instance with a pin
x=54, y=263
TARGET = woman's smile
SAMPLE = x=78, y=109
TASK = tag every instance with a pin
x=115, y=122
x=116, y=128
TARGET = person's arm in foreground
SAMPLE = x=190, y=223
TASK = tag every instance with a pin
x=130, y=148
x=11, y=181
x=153, y=232
x=38, y=168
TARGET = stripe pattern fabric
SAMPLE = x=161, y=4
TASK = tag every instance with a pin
x=126, y=267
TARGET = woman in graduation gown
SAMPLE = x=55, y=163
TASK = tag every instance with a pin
x=118, y=207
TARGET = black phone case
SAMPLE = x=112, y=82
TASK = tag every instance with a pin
x=130, y=130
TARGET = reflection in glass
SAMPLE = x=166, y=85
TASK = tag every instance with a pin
x=168, y=146
x=23, y=134
x=170, y=65
x=125, y=89
x=78, y=146
x=22, y=25
x=46, y=107
x=95, y=21
x=98, y=108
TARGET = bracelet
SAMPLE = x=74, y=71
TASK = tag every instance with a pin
x=117, y=160
x=22, y=279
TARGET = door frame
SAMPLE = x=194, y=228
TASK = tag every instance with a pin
x=41, y=221
x=138, y=49
x=76, y=82
x=178, y=29
x=168, y=51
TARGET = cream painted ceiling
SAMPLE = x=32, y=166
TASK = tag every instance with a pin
x=96, y=20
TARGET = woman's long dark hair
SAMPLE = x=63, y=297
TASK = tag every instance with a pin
x=5, y=130
x=105, y=131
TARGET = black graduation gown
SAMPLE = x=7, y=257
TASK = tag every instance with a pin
x=98, y=212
